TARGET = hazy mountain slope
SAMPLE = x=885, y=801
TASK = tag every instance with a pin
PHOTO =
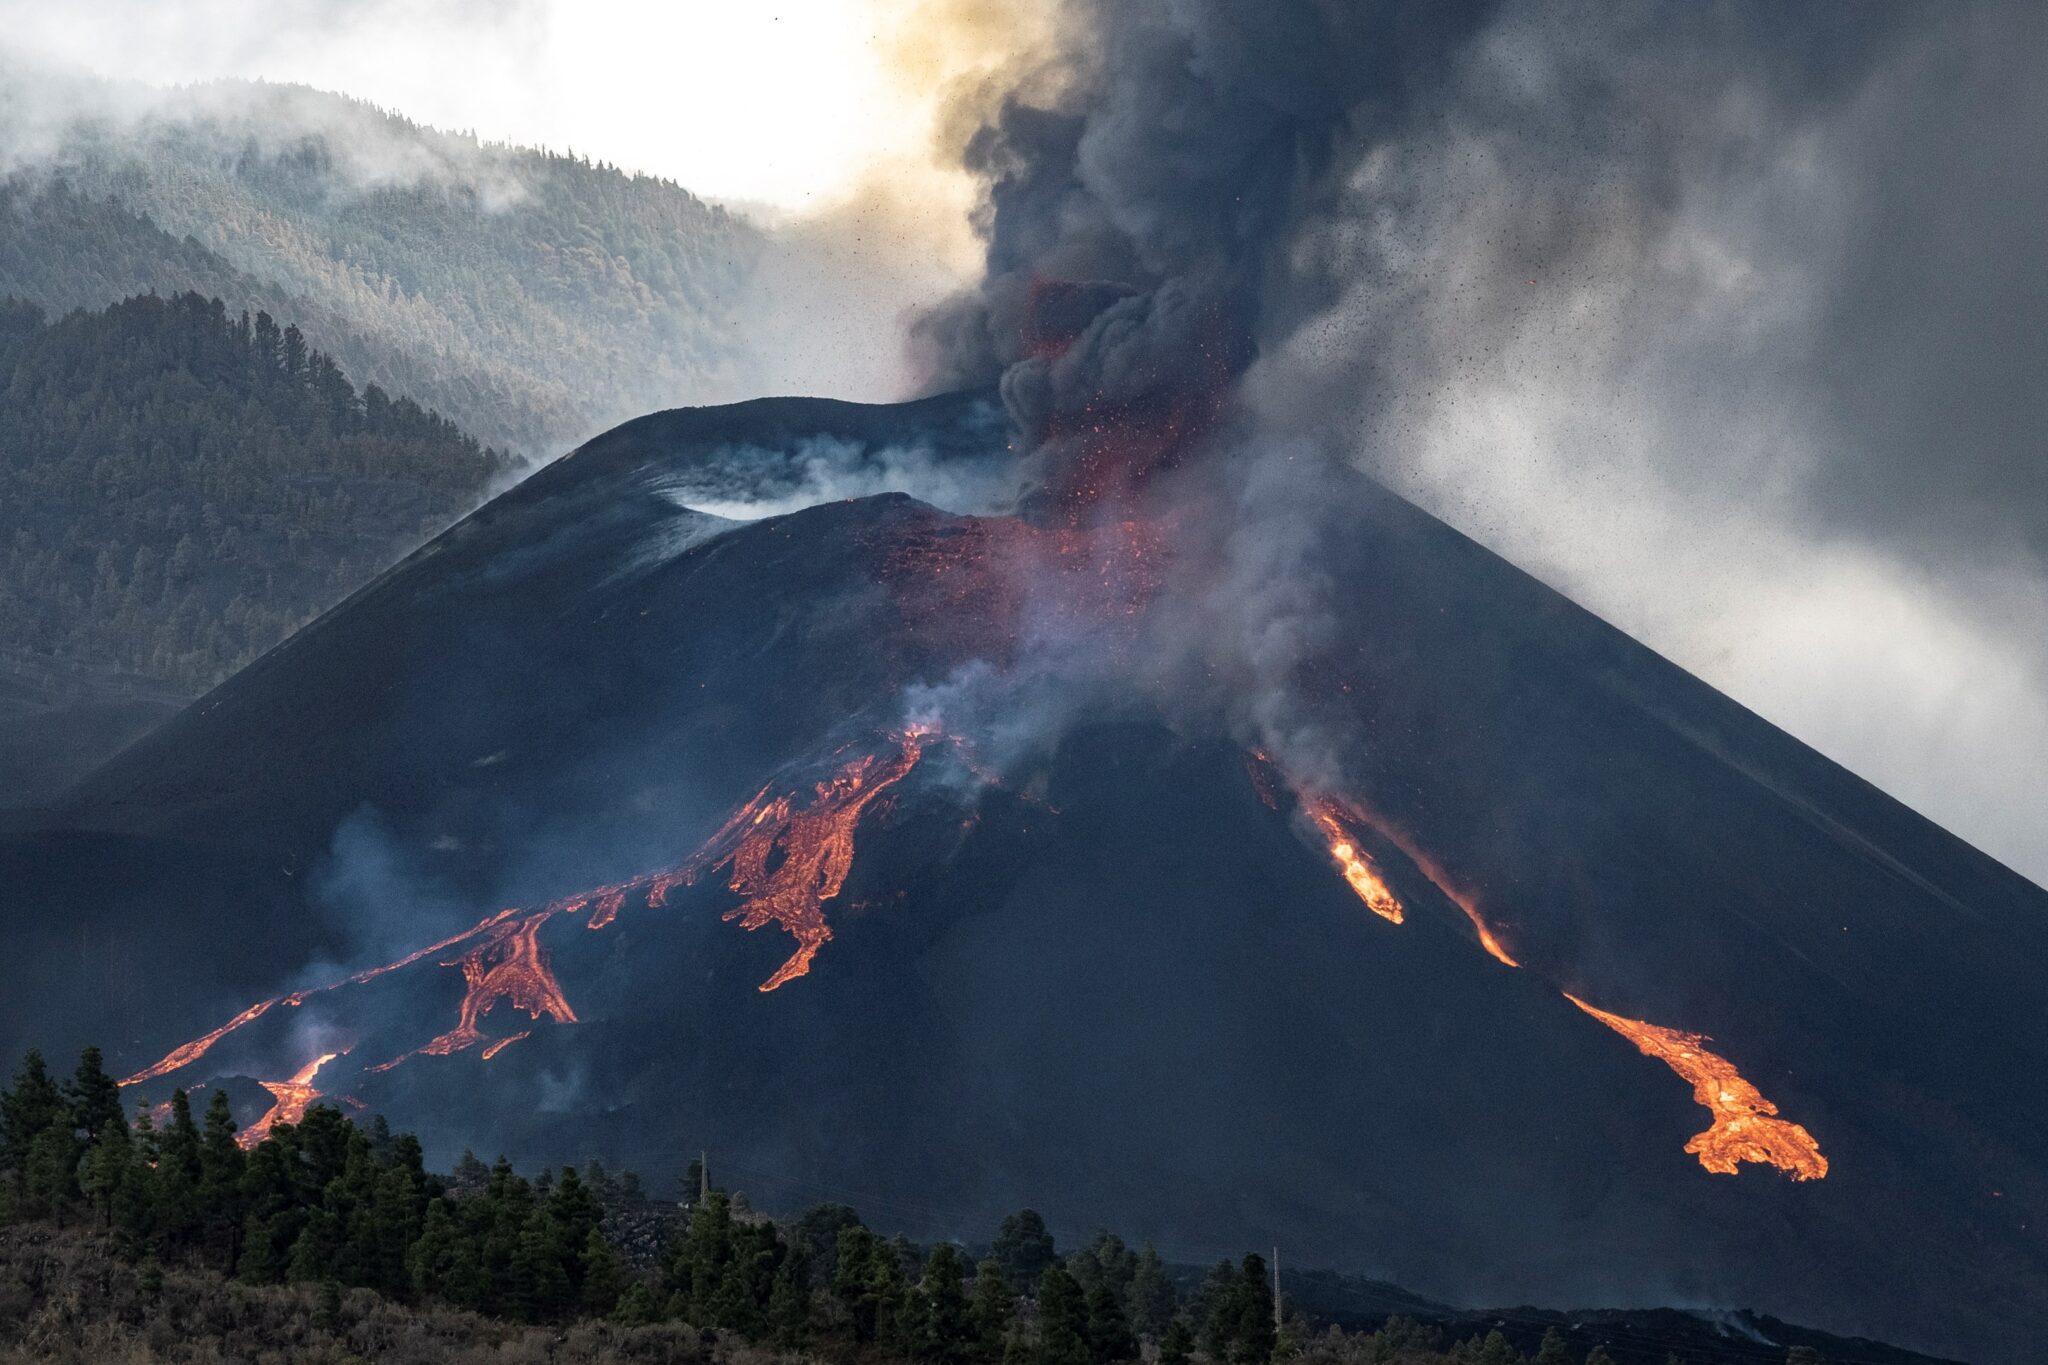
x=1123, y=980
x=534, y=297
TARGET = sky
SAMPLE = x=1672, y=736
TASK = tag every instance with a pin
x=1752, y=368
x=785, y=103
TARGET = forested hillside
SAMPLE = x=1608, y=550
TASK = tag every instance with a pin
x=534, y=297
x=181, y=486
x=309, y=1237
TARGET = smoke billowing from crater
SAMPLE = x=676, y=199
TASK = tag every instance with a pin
x=1720, y=319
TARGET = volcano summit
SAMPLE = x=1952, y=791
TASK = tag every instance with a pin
x=1199, y=865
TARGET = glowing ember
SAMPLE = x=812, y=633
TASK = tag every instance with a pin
x=1745, y=1126
x=987, y=582
x=292, y=1099
x=1353, y=861
x=787, y=860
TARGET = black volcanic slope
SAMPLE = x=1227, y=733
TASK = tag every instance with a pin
x=1120, y=984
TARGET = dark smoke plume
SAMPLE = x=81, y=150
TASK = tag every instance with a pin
x=1752, y=284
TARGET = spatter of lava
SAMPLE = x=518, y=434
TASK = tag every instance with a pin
x=788, y=854
x=1745, y=1126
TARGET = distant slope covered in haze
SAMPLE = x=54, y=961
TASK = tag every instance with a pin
x=536, y=298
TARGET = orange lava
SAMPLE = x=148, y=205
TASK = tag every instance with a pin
x=292, y=1099
x=788, y=859
x=197, y=1048
x=191, y=1052
x=509, y=966
x=495, y=1048
x=1745, y=1126
x=1352, y=860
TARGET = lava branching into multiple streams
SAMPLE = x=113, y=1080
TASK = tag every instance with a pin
x=1745, y=1126
x=787, y=853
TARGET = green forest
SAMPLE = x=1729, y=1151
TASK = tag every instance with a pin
x=349, y=1215
x=181, y=487
x=535, y=297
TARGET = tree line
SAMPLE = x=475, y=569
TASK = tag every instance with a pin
x=333, y=1203
x=180, y=489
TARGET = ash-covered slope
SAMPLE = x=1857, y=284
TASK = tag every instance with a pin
x=1085, y=953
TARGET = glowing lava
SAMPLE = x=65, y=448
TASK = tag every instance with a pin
x=788, y=859
x=292, y=1099
x=1351, y=859
x=495, y=1048
x=509, y=966
x=788, y=855
x=1745, y=1126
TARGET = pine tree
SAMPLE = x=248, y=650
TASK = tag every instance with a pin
x=1598, y=1356
x=540, y=1282
x=942, y=1333
x=221, y=1163
x=1552, y=1350
x=604, y=1276
x=1109, y=1331
x=1496, y=1350
x=992, y=1312
x=94, y=1096
x=1177, y=1345
x=853, y=1275
x=1023, y=1247
x=32, y=1104
x=106, y=1167
x=135, y=1201
x=789, y=1302
x=1062, y=1320
x=1152, y=1300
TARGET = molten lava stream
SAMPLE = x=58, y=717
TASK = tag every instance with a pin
x=183, y=1056
x=1745, y=1127
x=1353, y=861
x=292, y=1099
x=509, y=966
x=815, y=844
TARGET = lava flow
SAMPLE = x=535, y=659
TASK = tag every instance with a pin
x=291, y=1100
x=1745, y=1126
x=789, y=854
x=815, y=847
x=1352, y=860
x=509, y=966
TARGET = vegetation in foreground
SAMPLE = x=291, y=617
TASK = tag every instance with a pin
x=330, y=1241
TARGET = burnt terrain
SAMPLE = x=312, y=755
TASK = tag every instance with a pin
x=1112, y=970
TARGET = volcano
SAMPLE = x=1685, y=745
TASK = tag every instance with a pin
x=612, y=825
